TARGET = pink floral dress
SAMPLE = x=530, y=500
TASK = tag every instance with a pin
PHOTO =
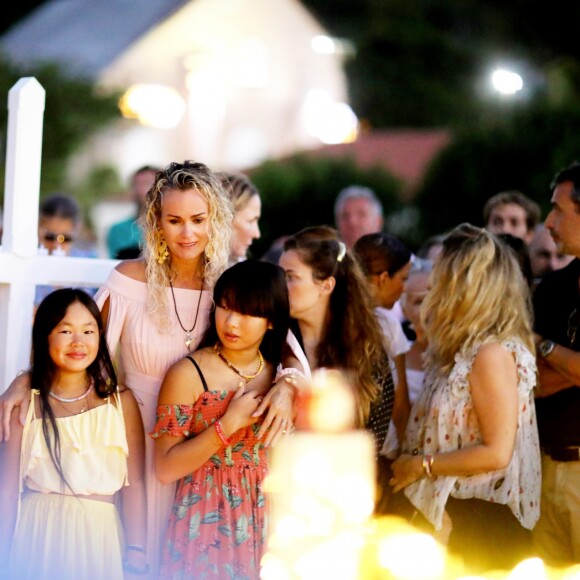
x=443, y=419
x=218, y=524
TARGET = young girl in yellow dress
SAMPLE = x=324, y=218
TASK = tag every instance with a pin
x=206, y=431
x=82, y=444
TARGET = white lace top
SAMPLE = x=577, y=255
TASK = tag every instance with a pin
x=443, y=419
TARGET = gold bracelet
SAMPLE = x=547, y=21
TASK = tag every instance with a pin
x=427, y=464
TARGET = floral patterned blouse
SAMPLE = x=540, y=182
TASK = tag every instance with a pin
x=443, y=419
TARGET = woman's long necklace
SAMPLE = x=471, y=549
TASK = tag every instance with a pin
x=188, y=338
x=246, y=378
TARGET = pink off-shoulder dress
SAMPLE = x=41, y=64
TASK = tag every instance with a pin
x=146, y=354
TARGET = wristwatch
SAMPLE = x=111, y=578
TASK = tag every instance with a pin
x=546, y=347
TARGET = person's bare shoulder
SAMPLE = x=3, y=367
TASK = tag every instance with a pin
x=181, y=384
x=134, y=269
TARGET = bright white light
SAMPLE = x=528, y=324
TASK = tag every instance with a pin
x=154, y=105
x=398, y=554
x=530, y=569
x=507, y=82
x=354, y=493
x=251, y=68
x=329, y=121
x=323, y=45
x=313, y=462
x=337, y=557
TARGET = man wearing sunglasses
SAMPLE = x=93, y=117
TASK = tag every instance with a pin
x=557, y=321
x=59, y=223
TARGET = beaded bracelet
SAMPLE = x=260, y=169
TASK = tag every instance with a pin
x=220, y=432
x=427, y=464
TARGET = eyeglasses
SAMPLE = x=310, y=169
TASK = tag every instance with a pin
x=59, y=238
x=573, y=324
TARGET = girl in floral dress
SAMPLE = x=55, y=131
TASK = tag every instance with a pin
x=205, y=435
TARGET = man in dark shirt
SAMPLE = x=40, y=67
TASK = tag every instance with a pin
x=557, y=321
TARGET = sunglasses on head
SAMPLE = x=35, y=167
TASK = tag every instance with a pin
x=59, y=238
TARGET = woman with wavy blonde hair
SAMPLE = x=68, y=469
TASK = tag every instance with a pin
x=471, y=445
x=167, y=260
x=156, y=309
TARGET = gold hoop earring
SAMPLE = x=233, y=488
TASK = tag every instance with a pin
x=162, y=251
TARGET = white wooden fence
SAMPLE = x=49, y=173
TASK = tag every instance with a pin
x=21, y=266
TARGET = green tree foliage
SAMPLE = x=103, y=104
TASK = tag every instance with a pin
x=73, y=111
x=300, y=191
x=422, y=63
x=409, y=70
x=522, y=150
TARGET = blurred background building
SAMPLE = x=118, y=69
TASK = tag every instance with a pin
x=226, y=82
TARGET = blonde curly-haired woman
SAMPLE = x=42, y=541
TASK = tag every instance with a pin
x=156, y=309
x=472, y=444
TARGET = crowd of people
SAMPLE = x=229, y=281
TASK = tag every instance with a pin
x=152, y=408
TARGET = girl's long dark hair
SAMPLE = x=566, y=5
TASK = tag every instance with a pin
x=257, y=289
x=351, y=339
x=43, y=371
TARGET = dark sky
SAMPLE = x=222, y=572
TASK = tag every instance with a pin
x=16, y=12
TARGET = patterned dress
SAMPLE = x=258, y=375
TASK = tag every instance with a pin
x=443, y=419
x=218, y=525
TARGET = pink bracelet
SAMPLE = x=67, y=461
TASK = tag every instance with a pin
x=220, y=432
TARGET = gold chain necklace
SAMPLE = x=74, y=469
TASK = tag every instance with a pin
x=247, y=378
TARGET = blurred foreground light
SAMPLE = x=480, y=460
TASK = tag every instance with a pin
x=153, y=105
x=572, y=573
x=530, y=569
x=331, y=408
x=398, y=554
x=507, y=82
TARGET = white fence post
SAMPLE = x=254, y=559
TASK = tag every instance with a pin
x=20, y=229
x=21, y=267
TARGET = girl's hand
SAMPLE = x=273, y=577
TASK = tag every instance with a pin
x=240, y=411
x=406, y=470
x=17, y=395
x=280, y=405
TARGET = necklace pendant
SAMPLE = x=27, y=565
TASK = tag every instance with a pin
x=188, y=342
